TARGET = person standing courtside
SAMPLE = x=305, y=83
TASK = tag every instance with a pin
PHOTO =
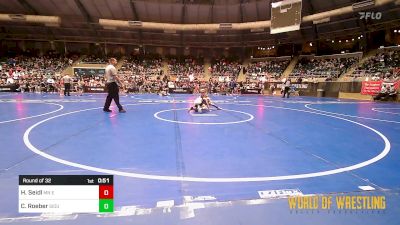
x=286, y=89
x=67, y=84
x=112, y=86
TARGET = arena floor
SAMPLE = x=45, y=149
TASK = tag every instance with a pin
x=160, y=152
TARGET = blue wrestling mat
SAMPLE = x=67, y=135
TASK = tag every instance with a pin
x=232, y=162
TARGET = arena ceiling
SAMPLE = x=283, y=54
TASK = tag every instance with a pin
x=80, y=21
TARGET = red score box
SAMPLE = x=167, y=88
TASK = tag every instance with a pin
x=106, y=192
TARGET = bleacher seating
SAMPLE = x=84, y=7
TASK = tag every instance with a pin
x=385, y=64
x=329, y=66
x=36, y=73
x=226, y=68
x=186, y=68
x=267, y=68
x=92, y=59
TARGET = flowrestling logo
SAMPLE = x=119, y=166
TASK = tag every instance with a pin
x=370, y=15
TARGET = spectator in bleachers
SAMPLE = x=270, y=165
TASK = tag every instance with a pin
x=386, y=62
x=34, y=73
x=384, y=92
x=92, y=59
x=268, y=70
x=322, y=67
x=186, y=68
x=226, y=69
x=142, y=66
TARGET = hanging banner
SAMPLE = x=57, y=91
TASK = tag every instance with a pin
x=100, y=89
x=371, y=87
x=374, y=87
x=180, y=90
x=251, y=91
x=8, y=88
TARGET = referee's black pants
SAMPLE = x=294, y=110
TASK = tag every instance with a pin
x=113, y=93
x=67, y=89
x=286, y=91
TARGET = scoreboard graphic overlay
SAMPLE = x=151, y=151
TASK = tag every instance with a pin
x=66, y=193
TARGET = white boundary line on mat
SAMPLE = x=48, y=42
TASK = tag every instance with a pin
x=29, y=117
x=378, y=157
x=156, y=115
x=308, y=106
x=378, y=110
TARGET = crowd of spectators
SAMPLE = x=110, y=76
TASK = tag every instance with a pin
x=226, y=69
x=186, y=68
x=329, y=68
x=164, y=83
x=92, y=59
x=140, y=66
x=141, y=74
x=138, y=74
x=388, y=91
x=270, y=70
x=384, y=65
x=91, y=81
x=158, y=84
x=144, y=74
x=34, y=74
x=213, y=85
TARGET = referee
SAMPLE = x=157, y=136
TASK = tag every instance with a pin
x=286, y=90
x=67, y=85
x=112, y=86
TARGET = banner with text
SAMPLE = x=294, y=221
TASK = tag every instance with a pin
x=180, y=90
x=94, y=89
x=251, y=91
x=371, y=87
x=374, y=87
x=8, y=88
